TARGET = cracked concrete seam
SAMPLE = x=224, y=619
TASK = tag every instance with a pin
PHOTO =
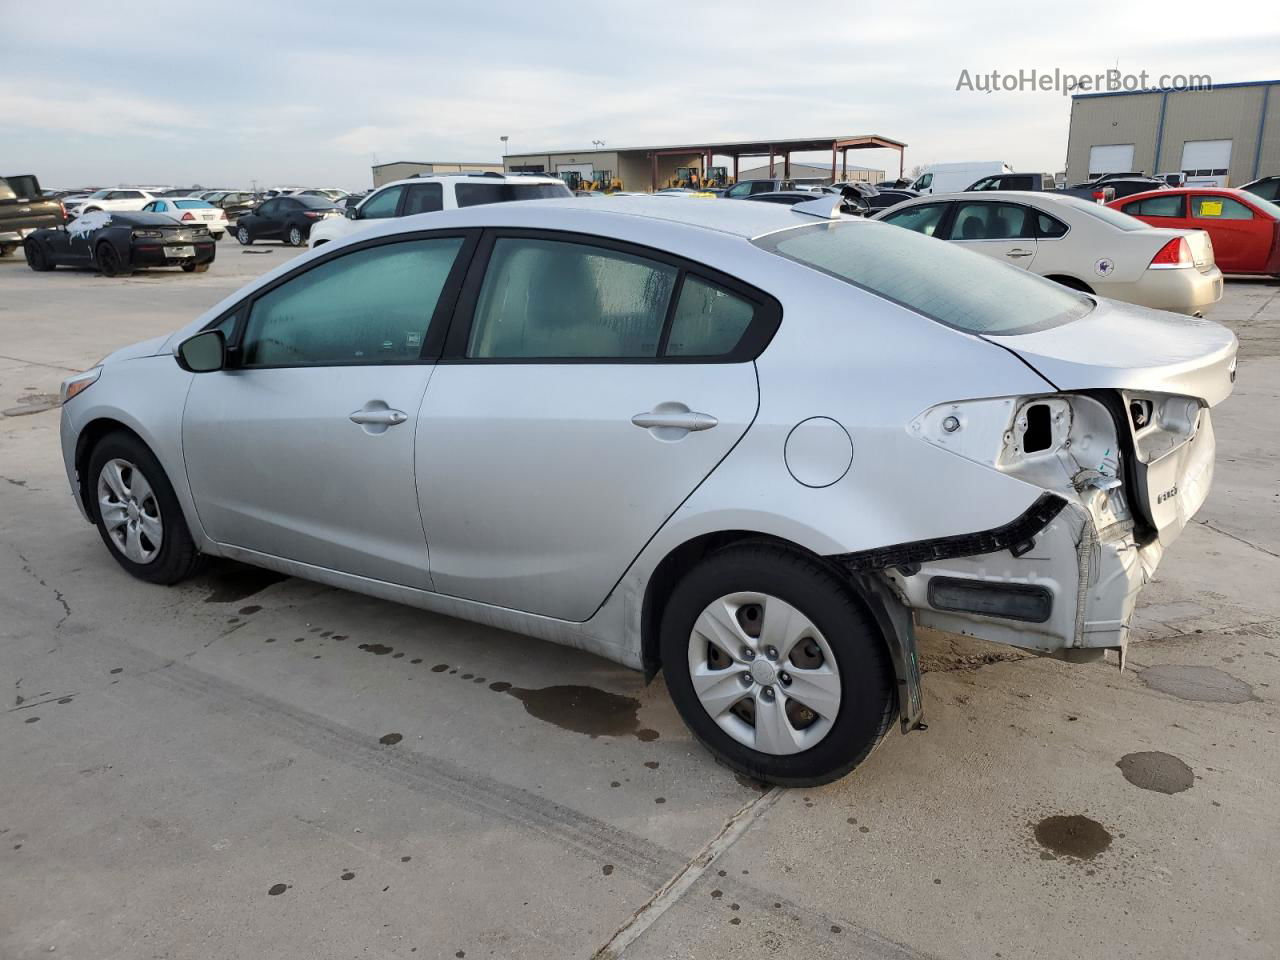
x=670, y=893
x=57, y=594
x=1238, y=539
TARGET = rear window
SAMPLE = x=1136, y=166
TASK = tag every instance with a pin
x=954, y=286
x=474, y=194
x=24, y=186
x=1117, y=219
x=316, y=202
x=185, y=204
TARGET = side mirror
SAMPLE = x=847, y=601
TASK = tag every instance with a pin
x=203, y=353
x=351, y=212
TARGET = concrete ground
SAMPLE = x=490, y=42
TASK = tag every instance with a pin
x=244, y=766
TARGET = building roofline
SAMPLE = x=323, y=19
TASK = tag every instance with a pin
x=450, y=163
x=724, y=146
x=1204, y=89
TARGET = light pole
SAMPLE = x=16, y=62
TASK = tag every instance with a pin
x=598, y=143
x=504, y=144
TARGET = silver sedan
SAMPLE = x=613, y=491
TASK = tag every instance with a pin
x=741, y=443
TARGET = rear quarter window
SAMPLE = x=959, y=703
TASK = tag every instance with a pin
x=944, y=282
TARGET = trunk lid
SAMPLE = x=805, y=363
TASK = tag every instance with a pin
x=1123, y=346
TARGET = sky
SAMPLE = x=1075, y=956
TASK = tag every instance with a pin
x=313, y=94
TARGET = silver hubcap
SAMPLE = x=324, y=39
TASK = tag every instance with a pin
x=129, y=511
x=764, y=673
x=295, y=236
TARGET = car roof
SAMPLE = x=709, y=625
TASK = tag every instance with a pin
x=740, y=218
x=140, y=218
x=479, y=177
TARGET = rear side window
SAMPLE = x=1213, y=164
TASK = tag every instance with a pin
x=991, y=221
x=1164, y=206
x=709, y=321
x=1049, y=228
x=942, y=281
x=372, y=306
x=423, y=198
x=1219, y=208
x=475, y=194
x=550, y=299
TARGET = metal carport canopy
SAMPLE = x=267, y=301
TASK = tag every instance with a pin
x=783, y=147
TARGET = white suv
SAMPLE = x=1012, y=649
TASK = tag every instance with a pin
x=113, y=199
x=439, y=192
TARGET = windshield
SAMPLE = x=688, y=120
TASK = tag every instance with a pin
x=956, y=287
x=474, y=194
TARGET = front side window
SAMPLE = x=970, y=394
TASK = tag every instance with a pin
x=709, y=321
x=372, y=306
x=925, y=182
x=942, y=281
x=382, y=204
x=474, y=194
x=739, y=190
x=423, y=198
x=1219, y=208
x=922, y=218
x=991, y=221
x=559, y=300
x=1166, y=205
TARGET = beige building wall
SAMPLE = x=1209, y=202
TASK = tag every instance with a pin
x=1224, y=113
x=403, y=169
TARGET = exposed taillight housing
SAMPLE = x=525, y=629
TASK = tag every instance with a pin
x=1175, y=253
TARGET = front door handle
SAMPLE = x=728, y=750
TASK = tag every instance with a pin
x=1020, y=253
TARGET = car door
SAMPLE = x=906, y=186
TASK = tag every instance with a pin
x=1005, y=231
x=587, y=388
x=260, y=220
x=1241, y=239
x=303, y=447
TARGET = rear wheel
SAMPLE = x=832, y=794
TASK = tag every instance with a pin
x=195, y=267
x=293, y=236
x=110, y=263
x=244, y=236
x=137, y=512
x=775, y=666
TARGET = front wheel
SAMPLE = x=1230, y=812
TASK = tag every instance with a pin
x=775, y=666
x=244, y=236
x=294, y=236
x=137, y=512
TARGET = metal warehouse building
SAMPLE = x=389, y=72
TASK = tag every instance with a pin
x=403, y=169
x=1225, y=135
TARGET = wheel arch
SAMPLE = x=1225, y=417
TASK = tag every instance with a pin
x=1073, y=283
x=90, y=436
x=873, y=592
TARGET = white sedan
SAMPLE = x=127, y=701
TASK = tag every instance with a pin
x=1082, y=245
x=731, y=441
x=192, y=210
x=112, y=199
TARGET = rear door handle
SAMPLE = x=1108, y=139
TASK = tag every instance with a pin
x=1020, y=253
x=379, y=417
x=683, y=420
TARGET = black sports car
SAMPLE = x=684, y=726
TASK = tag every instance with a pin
x=117, y=243
x=287, y=219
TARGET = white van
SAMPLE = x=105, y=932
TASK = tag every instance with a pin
x=954, y=177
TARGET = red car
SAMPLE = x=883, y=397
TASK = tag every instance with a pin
x=1244, y=228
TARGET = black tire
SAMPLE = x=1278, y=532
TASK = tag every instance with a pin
x=110, y=263
x=195, y=267
x=177, y=557
x=7, y=248
x=293, y=235
x=244, y=236
x=36, y=258
x=866, y=671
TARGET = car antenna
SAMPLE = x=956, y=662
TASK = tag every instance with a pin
x=826, y=207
